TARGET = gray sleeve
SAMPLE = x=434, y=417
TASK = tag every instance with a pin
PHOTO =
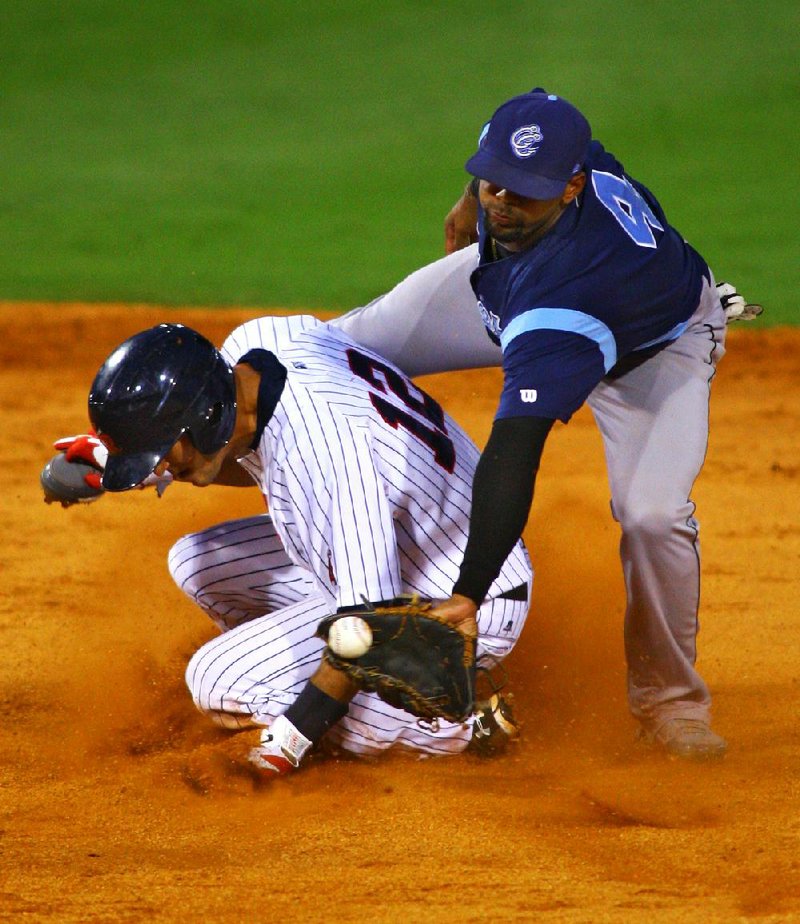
x=429, y=322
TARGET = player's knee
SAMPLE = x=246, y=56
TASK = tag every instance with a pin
x=181, y=563
x=213, y=697
x=197, y=680
x=651, y=522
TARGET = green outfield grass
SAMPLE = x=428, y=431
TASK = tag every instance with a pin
x=255, y=153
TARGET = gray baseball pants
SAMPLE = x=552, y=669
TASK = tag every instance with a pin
x=654, y=424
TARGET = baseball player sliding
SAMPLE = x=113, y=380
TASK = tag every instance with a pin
x=368, y=488
x=588, y=295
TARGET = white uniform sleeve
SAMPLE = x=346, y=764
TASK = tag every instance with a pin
x=267, y=333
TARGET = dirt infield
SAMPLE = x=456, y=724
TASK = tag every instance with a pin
x=103, y=819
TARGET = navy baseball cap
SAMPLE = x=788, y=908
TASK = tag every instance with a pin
x=533, y=145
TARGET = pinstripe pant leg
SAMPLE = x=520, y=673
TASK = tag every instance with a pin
x=254, y=672
x=237, y=570
x=372, y=726
x=500, y=624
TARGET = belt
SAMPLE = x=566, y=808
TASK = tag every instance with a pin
x=516, y=593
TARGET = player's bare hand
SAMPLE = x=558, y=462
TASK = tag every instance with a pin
x=460, y=226
x=459, y=611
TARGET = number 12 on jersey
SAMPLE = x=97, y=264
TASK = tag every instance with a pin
x=433, y=433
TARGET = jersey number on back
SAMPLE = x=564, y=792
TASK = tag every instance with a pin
x=433, y=434
x=628, y=207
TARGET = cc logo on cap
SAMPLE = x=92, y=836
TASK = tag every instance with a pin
x=526, y=140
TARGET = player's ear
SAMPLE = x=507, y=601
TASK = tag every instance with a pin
x=574, y=188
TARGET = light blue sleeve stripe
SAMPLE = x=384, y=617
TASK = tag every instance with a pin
x=568, y=320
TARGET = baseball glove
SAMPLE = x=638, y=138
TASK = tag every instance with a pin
x=417, y=661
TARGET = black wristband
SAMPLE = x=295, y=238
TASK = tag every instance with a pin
x=314, y=712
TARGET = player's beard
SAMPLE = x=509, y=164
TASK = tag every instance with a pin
x=518, y=234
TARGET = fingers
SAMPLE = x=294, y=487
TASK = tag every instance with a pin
x=94, y=480
x=735, y=305
x=460, y=612
x=456, y=240
x=65, y=442
x=88, y=449
x=460, y=225
x=450, y=235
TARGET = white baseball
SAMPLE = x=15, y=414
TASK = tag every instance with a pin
x=350, y=637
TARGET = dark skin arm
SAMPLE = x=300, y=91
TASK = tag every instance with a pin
x=460, y=225
x=333, y=682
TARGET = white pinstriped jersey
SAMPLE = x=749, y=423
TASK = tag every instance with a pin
x=367, y=481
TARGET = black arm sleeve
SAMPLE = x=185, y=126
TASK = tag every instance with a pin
x=502, y=494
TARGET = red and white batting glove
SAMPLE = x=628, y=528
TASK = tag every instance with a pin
x=281, y=749
x=86, y=448
x=89, y=449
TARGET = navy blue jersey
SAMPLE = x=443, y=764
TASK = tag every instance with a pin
x=612, y=281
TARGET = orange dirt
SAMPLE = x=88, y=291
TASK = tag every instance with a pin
x=102, y=821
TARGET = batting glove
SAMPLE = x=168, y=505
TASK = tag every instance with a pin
x=281, y=749
x=89, y=449
x=86, y=448
x=736, y=308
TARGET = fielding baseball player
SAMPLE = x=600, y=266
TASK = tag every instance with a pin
x=368, y=486
x=588, y=295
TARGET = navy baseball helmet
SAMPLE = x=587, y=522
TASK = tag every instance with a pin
x=156, y=386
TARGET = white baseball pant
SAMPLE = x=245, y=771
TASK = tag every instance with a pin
x=269, y=609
